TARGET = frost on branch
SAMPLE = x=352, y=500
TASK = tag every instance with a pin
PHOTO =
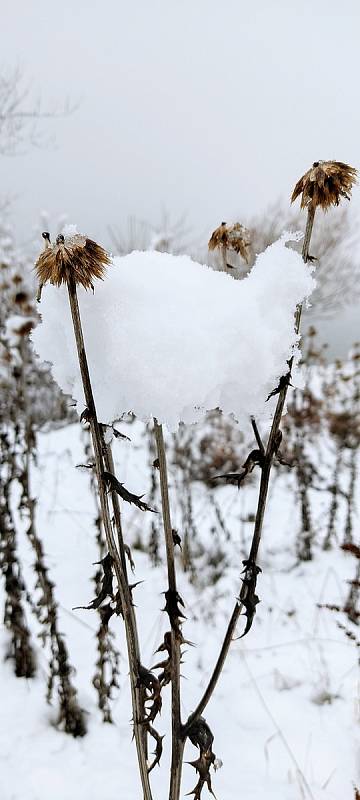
x=171, y=338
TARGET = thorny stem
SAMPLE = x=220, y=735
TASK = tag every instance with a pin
x=110, y=467
x=262, y=499
x=125, y=594
x=177, y=742
x=257, y=436
x=14, y=619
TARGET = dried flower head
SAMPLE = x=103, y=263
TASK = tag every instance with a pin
x=232, y=237
x=325, y=184
x=71, y=256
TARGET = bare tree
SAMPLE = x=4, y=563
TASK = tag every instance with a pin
x=20, y=114
x=166, y=236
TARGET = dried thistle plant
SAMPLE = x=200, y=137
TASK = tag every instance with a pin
x=20, y=649
x=73, y=256
x=231, y=237
x=106, y=674
x=248, y=599
x=77, y=260
x=325, y=184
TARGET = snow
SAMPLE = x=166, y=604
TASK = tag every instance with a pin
x=273, y=739
x=70, y=230
x=171, y=338
x=15, y=327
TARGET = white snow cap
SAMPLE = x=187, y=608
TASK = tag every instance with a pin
x=170, y=338
x=69, y=230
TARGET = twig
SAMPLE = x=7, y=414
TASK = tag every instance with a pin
x=278, y=729
x=177, y=740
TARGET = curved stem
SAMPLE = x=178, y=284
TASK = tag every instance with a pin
x=261, y=506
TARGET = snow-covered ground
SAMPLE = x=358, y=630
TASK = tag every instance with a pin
x=285, y=715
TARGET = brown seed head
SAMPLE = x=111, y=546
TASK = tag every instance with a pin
x=233, y=237
x=325, y=184
x=71, y=256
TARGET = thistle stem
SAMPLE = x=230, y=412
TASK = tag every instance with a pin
x=224, y=258
x=110, y=467
x=125, y=594
x=261, y=506
x=177, y=745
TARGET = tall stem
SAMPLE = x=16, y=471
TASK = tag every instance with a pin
x=110, y=467
x=260, y=511
x=123, y=585
x=224, y=258
x=177, y=745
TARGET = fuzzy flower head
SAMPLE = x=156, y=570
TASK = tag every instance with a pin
x=325, y=184
x=72, y=256
x=231, y=237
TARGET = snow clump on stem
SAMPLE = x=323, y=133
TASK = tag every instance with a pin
x=170, y=338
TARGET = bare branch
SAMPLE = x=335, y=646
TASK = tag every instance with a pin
x=20, y=115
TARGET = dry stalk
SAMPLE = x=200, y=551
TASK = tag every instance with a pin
x=177, y=740
x=107, y=664
x=20, y=646
x=314, y=196
x=123, y=551
x=118, y=561
x=268, y=454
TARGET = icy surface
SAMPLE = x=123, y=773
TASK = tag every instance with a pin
x=171, y=338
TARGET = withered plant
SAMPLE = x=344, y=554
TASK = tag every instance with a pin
x=343, y=423
x=20, y=649
x=302, y=427
x=263, y=456
x=351, y=606
x=71, y=717
x=327, y=187
x=106, y=674
x=143, y=684
x=29, y=396
x=227, y=239
x=325, y=184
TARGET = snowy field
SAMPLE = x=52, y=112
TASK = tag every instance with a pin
x=285, y=715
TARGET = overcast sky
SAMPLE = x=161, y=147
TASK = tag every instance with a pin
x=209, y=107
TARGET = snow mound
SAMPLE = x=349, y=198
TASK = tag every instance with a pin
x=171, y=338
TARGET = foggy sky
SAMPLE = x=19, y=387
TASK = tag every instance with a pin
x=209, y=107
